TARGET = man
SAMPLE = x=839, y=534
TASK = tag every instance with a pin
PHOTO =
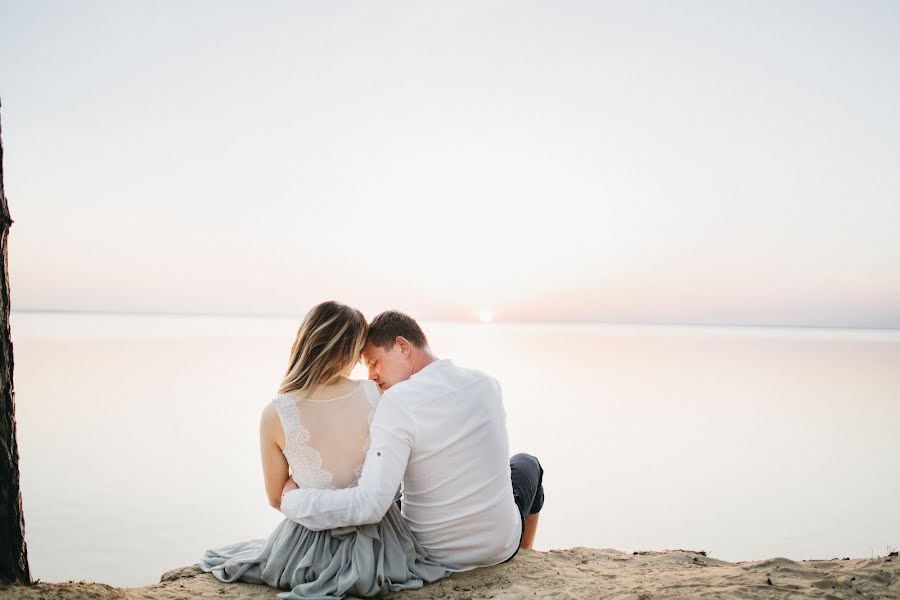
x=439, y=429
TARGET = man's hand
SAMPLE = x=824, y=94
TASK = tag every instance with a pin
x=288, y=486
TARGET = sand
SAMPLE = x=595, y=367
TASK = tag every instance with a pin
x=571, y=573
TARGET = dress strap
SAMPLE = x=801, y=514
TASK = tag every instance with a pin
x=289, y=413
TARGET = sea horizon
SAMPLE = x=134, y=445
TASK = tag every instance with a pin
x=492, y=322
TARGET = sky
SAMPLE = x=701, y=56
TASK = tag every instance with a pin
x=693, y=162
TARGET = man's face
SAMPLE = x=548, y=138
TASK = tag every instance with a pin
x=386, y=367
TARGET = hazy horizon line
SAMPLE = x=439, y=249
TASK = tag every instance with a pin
x=235, y=315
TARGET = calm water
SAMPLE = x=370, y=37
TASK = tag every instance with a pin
x=138, y=436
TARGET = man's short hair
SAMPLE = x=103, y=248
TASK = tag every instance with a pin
x=386, y=327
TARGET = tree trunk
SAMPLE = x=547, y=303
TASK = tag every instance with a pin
x=13, y=555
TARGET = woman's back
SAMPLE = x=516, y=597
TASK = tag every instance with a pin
x=326, y=439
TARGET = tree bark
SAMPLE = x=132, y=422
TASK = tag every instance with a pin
x=13, y=554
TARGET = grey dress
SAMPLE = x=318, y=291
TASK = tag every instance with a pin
x=325, y=445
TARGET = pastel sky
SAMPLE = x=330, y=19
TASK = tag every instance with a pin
x=679, y=162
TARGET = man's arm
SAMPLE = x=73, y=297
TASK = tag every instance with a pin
x=392, y=435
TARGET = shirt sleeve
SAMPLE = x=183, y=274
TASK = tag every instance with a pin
x=392, y=435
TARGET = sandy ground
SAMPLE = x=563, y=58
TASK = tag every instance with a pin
x=572, y=573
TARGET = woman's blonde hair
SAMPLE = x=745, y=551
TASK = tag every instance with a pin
x=328, y=344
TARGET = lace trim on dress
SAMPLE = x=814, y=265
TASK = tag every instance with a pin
x=309, y=473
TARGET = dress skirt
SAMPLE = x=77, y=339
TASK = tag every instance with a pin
x=364, y=561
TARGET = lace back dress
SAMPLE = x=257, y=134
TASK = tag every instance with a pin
x=326, y=440
x=325, y=446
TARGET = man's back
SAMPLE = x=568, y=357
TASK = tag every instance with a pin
x=457, y=495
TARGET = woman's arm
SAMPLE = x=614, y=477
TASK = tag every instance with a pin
x=275, y=467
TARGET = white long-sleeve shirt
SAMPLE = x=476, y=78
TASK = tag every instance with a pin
x=443, y=434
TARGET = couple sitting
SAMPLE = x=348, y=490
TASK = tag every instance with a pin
x=335, y=452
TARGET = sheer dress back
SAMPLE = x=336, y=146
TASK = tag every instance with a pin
x=326, y=440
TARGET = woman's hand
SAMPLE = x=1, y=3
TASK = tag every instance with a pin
x=288, y=486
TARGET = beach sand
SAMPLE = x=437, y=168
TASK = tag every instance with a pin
x=571, y=573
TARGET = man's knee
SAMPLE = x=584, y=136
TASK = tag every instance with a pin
x=523, y=461
x=529, y=467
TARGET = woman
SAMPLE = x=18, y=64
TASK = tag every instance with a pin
x=315, y=434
